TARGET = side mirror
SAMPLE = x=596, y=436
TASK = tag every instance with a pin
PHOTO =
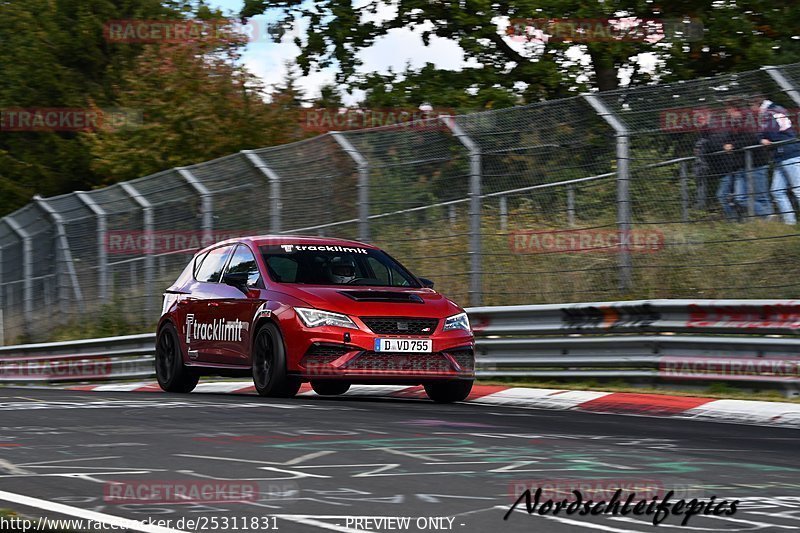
x=428, y=284
x=236, y=279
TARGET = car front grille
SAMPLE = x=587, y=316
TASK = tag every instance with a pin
x=387, y=361
x=323, y=354
x=464, y=358
x=401, y=325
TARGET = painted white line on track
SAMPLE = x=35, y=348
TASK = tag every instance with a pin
x=117, y=521
x=121, y=387
x=541, y=398
x=11, y=468
x=219, y=387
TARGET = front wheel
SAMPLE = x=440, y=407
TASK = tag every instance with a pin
x=171, y=373
x=448, y=391
x=269, y=365
x=330, y=388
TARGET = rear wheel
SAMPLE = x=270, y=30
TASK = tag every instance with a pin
x=330, y=388
x=269, y=365
x=448, y=391
x=171, y=373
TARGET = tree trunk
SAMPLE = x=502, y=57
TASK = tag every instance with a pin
x=605, y=72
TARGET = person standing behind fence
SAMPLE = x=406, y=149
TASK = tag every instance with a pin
x=776, y=126
x=703, y=174
x=733, y=192
x=725, y=162
x=762, y=203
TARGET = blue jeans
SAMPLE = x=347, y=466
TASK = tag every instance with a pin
x=734, y=198
x=785, y=178
x=729, y=192
x=762, y=204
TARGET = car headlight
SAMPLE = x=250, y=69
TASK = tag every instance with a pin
x=459, y=321
x=314, y=318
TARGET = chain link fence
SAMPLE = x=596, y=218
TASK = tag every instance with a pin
x=604, y=196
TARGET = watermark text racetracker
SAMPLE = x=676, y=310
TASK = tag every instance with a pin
x=786, y=368
x=740, y=119
x=39, y=119
x=582, y=241
x=69, y=367
x=169, y=491
x=585, y=30
x=601, y=488
x=175, y=31
x=321, y=120
x=136, y=242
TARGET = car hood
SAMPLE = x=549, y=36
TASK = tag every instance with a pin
x=377, y=301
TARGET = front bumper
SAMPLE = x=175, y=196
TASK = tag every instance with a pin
x=348, y=354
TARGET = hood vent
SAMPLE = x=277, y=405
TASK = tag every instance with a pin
x=383, y=296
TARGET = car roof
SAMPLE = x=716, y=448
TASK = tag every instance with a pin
x=276, y=240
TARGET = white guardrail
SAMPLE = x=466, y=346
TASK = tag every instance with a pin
x=673, y=340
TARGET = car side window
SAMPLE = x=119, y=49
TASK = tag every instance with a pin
x=282, y=269
x=243, y=261
x=380, y=270
x=210, y=270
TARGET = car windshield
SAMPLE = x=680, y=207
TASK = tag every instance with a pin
x=334, y=265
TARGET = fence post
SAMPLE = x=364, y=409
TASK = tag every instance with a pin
x=503, y=213
x=64, y=257
x=102, y=251
x=275, y=203
x=27, y=270
x=623, y=185
x=571, y=205
x=684, y=180
x=363, y=184
x=786, y=86
x=206, y=203
x=147, y=218
x=475, y=205
x=751, y=193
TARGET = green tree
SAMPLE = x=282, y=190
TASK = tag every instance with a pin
x=53, y=54
x=738, y=35
x=329, y=97
x=197, y=102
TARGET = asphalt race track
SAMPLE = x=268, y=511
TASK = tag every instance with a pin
x=321, y=463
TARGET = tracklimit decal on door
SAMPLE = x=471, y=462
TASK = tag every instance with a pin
x=217, y=330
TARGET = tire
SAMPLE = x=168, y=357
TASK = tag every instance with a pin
x=171, y=373
x=330, y=388
x=269, y=364
x=448, y=391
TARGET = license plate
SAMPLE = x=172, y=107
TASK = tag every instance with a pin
x=404, y=345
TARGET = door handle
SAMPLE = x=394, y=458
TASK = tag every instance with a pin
x=213, y=304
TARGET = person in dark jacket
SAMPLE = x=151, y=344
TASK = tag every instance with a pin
x=776, y=126
x=728, y=158
x=705, y=179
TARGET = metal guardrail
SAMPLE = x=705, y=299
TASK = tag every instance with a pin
x=729, y=317
x=695, y=340
x=102, y=359
x=753, y=341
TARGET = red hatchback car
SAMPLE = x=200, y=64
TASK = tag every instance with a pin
x=287, y=310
